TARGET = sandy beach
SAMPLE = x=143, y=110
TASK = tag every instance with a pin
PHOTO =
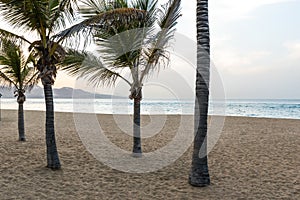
x=254, y=158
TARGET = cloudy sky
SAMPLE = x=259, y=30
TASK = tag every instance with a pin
x=255, y=47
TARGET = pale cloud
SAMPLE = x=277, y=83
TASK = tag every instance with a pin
x=233, y=62
x=293, y=48
x=224, y=10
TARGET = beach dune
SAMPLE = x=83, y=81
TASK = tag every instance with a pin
x=254, y=158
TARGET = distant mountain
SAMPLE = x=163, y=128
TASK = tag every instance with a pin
x=6, y=93
x=65, y=92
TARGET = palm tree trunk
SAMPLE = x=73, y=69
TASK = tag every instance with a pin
x=52, y=154
x=137, y=147
x=199, y=175
x=21, y=122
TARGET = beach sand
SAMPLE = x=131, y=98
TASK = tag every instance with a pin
x=254, y=158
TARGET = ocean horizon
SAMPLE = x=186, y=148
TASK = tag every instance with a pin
x=265, y=108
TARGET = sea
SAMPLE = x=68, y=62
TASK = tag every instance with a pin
x=266, y=108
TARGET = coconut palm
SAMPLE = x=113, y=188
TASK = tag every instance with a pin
x=18, y=72
x=199, y=175
x=130, y=44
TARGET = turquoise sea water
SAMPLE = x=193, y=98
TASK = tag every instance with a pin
x=237, y=107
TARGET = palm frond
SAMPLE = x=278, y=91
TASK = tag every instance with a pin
x=91, y=8
x=30, y=75
x=27, y=14
x=72, y=62
x=32, y=79
x=60, y=11
x=15, y=69
x=5, y=81
x=157, y=54
x=123, y=49
x=11, y=60
x=94, y=7
x=104, y=21
x=150, y=6
x=122, y=44
x=84, y=64
x=169, y=14
x=4, y=34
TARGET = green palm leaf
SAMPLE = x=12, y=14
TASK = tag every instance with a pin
x=12, y=36
x=104, y=21
x=15, y=69
x=27, y=14
x=85, y=64
x=156, y=53
x=60, y=11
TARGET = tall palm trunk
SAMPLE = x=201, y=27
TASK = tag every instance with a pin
x=21, y=122
x=199, y=175
x=52, y=154
x=137, y=147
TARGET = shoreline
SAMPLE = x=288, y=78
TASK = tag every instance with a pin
x=225, y=116
x=254, y=158
x=275, y=109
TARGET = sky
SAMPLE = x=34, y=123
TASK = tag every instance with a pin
x=255, y=46
x=255, y=53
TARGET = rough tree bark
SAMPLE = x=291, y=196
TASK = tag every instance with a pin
x=137, y=145
x=21, y=122
x=52, y=154
x=199, y=175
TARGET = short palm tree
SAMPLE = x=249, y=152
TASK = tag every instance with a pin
x=128, y=43
x=18, y=72
x=199, y=175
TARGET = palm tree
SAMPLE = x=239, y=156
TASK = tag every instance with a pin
x=199, y=175
x=129, y=42
x=44, y=18
x=17, y=72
